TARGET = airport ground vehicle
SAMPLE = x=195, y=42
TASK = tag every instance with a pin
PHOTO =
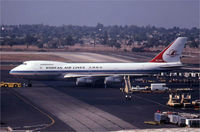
x=174, y=101
x=10, y=84
x=196, y=103
x=181, y=101
x=158, y=86
x=186, y=100
x=181, y=119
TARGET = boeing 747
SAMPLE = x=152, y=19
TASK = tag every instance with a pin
x=166, y=60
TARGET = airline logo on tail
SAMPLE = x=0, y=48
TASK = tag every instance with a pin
x=172, y=53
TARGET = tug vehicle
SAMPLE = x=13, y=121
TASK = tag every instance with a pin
x=186, y=100
x=174, y=101
x=10, y=84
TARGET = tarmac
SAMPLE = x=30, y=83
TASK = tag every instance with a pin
x=61, y=106
x=79, y=56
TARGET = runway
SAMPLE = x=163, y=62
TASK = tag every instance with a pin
x=61, y=106
x=78, y=56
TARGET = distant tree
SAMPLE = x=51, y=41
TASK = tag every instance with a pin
x=105, y=38
x=93, y=36
x=40, y=45
x=54, y=45
x=11, y=44
x=138, y=49
x=114, y=31
x=81, y=42
x=29, y=40
x=125, y=50
x=69, y=40
x=99, y=27
x=130, y=42
x=118, y=45
x=70, y=34
x=112, y=42
x=194, y=44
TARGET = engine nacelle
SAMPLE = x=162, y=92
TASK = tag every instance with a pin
x=113, y=79
x=84, y=81
x=93, y=81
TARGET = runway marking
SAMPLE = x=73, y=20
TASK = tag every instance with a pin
x=29, y=103
x=75, y=113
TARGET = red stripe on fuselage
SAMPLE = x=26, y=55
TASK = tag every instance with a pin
x=159, y=57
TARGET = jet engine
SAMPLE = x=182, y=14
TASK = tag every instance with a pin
x=85, y=81
x=113, y=81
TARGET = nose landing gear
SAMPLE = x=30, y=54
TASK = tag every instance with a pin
x=29, y=84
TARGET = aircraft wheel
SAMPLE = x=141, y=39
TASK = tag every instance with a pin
x=128, y=97
x=29, y=85
x=24, y=84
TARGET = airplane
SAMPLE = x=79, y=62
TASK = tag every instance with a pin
x=166, y=60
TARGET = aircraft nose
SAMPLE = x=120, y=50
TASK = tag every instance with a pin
x=11, y=71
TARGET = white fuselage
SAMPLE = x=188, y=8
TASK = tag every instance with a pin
x=53, y=68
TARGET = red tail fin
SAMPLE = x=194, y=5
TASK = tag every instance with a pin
x=159, y=57
x=171, y=53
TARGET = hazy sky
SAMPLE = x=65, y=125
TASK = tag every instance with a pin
x=160, y=13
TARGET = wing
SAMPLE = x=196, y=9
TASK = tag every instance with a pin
x=70, y=75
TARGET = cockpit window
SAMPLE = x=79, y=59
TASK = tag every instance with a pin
x=24, y=64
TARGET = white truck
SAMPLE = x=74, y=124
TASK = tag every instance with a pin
x=158, y=86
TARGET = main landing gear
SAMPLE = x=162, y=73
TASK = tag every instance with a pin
x=127, y=88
